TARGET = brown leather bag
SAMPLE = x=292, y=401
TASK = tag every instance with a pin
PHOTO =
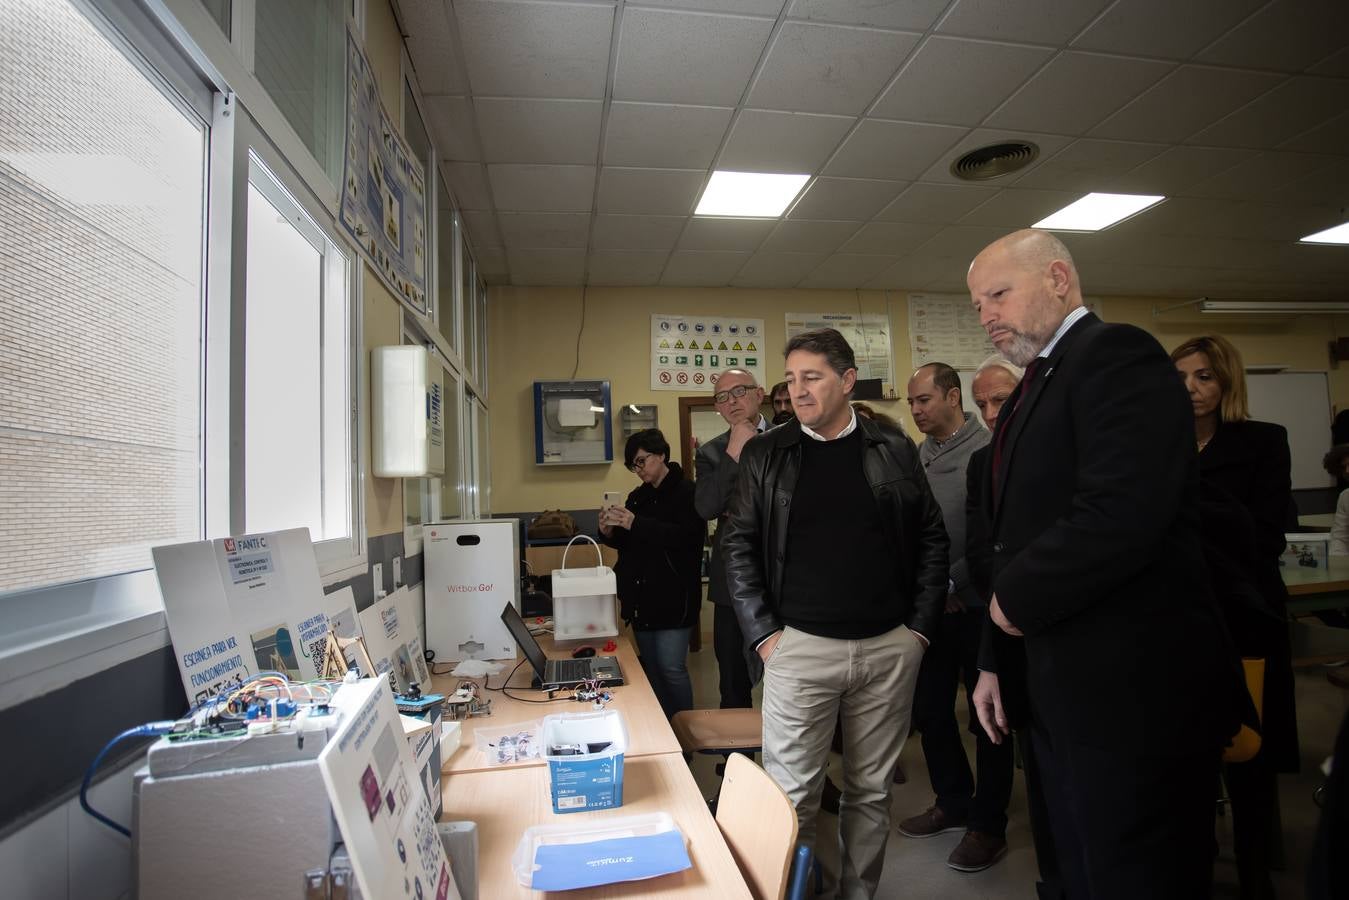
x=552, y=523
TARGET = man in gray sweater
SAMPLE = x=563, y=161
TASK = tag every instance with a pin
x=977, y=806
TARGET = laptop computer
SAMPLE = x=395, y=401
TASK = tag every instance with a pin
x=559, y=673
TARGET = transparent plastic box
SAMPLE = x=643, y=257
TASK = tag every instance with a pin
x=522, y=860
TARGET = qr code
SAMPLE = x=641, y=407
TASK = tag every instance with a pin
x=317, y=649
x=571, y=802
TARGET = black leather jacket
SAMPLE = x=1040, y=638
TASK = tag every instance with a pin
x=755, y=539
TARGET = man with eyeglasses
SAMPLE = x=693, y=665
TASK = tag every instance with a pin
x=738, y=399
x=836, y=563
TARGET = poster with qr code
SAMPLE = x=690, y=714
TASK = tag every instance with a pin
x=378, y=801
x=240, y=605
x=393, y=640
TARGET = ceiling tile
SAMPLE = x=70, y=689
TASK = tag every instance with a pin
x=941, y=204
x=1261, y=177
x=1163, y=27
x=663, y=135
x=958, y=82
x=916, y=272
x=1077, y=90
x=655, y=192
x=517, y=49
x=626, y=267
x=682, y=57
x=889, y=238
x=1185, y=101
x=692, y=269
x=542, y=188
x=809, y=236
x=961, y=242
x=743, y=7
x=915, y=15
x=554, y=132
x=1335, y=64
x=636, y=232
x=773, y=269
x=706, y=233
x=940, y=171
x=846, y=270
x=482, y=228
x=431, y=47
x=534, y=230
x=1332, y=137
x=1293, y=107
x=1018, y=208
x=845, y=198
x=1089, y=165
x=899, y=150
x=828, y=68
x=546, y=266
x=1180, y=167
x=1324, y=186
x=453, y=127
x=1036, y=21
x=1288, y=35
x=492, y=262
x=468, y=182
x=766, y=141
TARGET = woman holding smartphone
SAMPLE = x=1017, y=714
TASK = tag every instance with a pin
x=659, y=537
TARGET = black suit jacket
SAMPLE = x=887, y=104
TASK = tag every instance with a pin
x=1096, y=553
x=715, y=486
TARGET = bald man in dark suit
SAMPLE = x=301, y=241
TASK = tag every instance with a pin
x=1133, y=687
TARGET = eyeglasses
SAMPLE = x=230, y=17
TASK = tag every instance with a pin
x=639, y=462
x=737, y=392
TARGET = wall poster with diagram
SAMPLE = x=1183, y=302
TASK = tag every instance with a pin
x=383, y=186
x=868, y=335
x=688, y=352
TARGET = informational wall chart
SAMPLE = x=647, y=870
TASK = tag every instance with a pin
x=868, y=335
x=688, y=352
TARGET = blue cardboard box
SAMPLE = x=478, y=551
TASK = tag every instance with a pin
x=585, y=759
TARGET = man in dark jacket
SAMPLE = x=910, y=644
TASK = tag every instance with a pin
x=836, y=561
x=717, y=464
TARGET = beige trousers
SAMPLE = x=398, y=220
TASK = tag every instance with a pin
x=808, y=680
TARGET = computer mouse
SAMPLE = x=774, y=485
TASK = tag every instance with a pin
x=583, y=652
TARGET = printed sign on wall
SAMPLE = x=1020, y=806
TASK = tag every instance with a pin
x=688, y=352
x=868, y=335
x=383, y=186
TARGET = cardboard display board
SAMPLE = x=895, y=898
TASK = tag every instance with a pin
x=381, y=809
x=239, y=605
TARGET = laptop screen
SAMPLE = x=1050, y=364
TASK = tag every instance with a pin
x=520, y=631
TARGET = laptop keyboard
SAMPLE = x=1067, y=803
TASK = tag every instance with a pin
x=572, y=669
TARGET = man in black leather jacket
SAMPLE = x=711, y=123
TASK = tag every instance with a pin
x=836, y=562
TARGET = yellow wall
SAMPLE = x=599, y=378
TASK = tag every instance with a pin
x=382, y=315
x=533, y=338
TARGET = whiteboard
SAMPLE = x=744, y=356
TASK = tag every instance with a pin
x=1300, y=402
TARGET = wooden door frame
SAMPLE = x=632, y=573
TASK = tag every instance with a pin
x=686, y=407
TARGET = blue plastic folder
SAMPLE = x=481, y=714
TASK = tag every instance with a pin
x=564, y=867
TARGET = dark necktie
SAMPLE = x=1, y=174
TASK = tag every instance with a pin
x=1005, y=425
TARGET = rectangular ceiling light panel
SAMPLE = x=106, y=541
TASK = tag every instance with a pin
x=749, y=194
x=1097, y=211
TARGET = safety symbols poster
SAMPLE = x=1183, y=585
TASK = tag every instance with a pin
x=688, y=352
x=383, y=186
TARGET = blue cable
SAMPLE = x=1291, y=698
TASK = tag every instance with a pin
x=150, y=729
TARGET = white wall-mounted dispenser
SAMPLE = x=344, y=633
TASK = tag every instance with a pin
x=398, y=433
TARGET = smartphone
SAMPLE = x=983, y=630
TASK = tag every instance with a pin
x=612, y=498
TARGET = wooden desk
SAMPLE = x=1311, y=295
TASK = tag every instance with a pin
x=1311, y=591
x=506, y=801
x=648, y=729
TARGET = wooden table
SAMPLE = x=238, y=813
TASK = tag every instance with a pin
x=1311, y=591
x=507, y=800
x=648, y=729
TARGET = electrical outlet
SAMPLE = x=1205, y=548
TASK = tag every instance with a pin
x=397, y=572
x=377, y=579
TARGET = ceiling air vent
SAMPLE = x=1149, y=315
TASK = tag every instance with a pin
x=994, y=160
